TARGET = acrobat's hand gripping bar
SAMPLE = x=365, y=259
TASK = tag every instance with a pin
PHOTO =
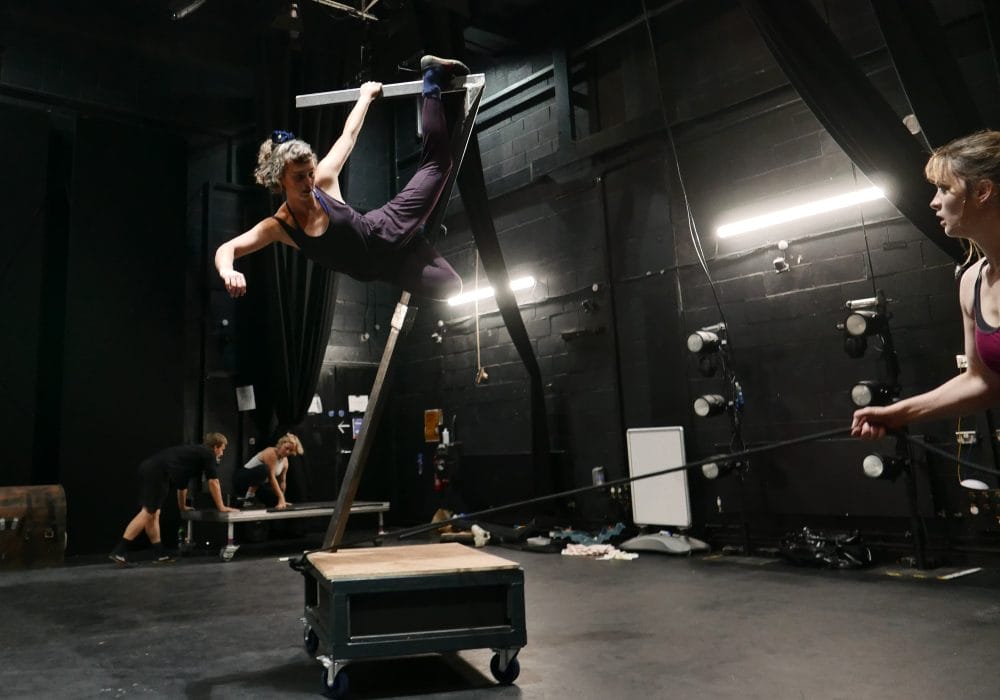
x=410, y=89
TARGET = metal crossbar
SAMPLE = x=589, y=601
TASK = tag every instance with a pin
x=472, y=83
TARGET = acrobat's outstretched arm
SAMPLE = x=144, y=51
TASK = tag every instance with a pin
x=329, y=168
x=263, y=234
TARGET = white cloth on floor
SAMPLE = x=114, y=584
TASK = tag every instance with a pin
x=603, y=552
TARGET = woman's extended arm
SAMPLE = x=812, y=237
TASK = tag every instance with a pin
x=263, y=234
x=974, y=390
x=333, y=162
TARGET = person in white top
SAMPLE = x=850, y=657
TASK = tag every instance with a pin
x=267, y=468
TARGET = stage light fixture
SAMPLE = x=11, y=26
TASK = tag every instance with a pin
x=866, y=317
x=710, y=405
x=707, y=339
x=872, y=393
x=707, y=365
x=719, y=466
x=855, y=346
x=877, y=466
x=703, y=342
x=864, y=323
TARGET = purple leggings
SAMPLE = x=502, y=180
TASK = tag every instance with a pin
x=413, y=263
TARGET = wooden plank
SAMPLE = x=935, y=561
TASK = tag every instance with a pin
x=359, y=455
x=410, y=560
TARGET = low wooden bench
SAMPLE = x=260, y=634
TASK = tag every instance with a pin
x=298, y=510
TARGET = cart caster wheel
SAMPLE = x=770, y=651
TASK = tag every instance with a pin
x=311, y=641
x=509, y=674
x=338, y=687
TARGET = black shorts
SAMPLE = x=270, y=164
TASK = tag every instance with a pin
x=245, y=478
x=153, y=486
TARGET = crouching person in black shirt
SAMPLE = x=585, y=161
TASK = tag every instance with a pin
x=173, y=467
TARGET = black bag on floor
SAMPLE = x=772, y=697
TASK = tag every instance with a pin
x=834, y=550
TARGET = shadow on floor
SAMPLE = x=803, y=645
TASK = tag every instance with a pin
x=383, y=678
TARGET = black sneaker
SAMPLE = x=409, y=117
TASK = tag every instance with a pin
x=447, y=66
x=164, y=559
x=118, y=559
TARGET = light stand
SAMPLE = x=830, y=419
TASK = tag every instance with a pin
x=870, y=318
x=709, y=342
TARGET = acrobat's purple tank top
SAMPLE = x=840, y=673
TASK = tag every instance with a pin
x=343, y=247
x=987, y=337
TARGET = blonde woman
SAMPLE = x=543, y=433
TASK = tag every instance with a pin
x=966, y=173
x=269, y=467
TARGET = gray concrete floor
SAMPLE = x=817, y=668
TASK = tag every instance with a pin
x=655, y=627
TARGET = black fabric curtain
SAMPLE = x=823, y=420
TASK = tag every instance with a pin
x=851, y=109
x=927, y=69
x=300, y=296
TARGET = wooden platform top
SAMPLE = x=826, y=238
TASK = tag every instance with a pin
x=409, y=560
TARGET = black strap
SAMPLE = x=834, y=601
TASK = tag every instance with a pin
x=980, y=320
x=472, y=187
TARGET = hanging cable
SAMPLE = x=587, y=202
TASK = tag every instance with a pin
x=481, y=375
x=692, y=225
x=864, y=232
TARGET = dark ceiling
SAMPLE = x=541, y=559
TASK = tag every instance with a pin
x=199, y=50
x=488, y=28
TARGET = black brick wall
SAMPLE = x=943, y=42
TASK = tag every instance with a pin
x=744, y=141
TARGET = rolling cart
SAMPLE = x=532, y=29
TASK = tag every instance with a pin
x=417, y=599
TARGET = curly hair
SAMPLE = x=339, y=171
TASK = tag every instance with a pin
x=272, y=159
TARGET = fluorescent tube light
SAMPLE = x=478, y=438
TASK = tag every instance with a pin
x=487, y=292
x=802, y=211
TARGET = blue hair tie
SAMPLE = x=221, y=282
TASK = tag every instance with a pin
x=278, y=136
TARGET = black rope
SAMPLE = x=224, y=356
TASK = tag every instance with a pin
x=958, y=460
x=296, y=563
